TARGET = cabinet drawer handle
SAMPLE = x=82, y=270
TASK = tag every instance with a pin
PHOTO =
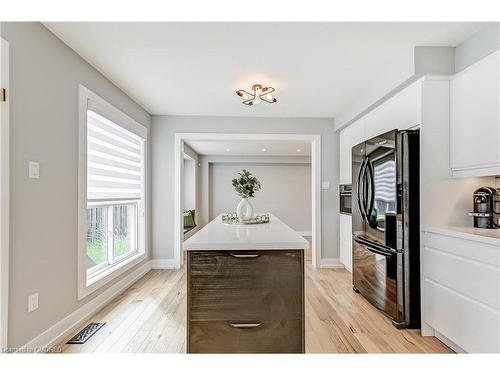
x=244, y=255
x=245, y=325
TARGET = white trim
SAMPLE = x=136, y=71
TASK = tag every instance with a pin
x=4, y=194
x=55, y=334
x=331, y=263
x=315, y=141
x=87, y=99
x=97, y=104
x=305, y=233
x=162, y=264
x=101, y=278
x=449, y=343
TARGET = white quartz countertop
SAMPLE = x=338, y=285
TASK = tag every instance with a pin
x=274, y=235
x=489, y=236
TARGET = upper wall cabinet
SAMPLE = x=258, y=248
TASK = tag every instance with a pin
x=475, y=119
x=349, y=137
x=402, y=111
x=345, y=156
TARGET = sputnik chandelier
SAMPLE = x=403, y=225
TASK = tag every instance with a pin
x=259, y=93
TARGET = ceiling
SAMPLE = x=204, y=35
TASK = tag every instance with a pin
x=318, y=69
x=251, y=148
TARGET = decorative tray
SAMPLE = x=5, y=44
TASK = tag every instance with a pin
x=232, y=218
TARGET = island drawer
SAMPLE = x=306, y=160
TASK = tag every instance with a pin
x=240, y=270
x=270, y=336
x=246, y=303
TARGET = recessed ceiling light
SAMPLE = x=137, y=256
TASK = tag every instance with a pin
x=299, y=150
x=264, y=150
x=228, y=149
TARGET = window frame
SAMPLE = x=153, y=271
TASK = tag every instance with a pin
x=88, y=284
x=94, y=271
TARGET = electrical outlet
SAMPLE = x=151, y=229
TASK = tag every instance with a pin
x=34, y=169
x=33, y=302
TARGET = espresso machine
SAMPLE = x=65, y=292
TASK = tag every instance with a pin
x=486, y=206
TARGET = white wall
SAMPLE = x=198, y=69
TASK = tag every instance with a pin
x=44, y=78
x=163, y=130
x=286, y=191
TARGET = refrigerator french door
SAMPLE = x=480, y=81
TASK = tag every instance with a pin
x=385, y=219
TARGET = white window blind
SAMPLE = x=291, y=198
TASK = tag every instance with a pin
x=115, y=160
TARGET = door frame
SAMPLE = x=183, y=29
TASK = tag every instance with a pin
x=4, y=194
x=313, y=139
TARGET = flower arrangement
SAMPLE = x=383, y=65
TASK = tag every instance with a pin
x=246, y=185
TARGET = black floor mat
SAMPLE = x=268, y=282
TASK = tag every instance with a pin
x=86, y=333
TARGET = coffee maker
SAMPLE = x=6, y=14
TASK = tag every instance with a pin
x=486, y=206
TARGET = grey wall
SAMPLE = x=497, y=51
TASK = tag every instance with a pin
x=44, y=78
x=480, y=45
x=163, y=130
x=286, y=191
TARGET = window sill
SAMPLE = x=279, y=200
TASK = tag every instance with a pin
x=95, y=282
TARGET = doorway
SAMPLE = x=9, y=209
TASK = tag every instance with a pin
x=313, y=141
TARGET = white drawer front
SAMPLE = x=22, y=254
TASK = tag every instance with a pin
x=473, y=250
x=469, y=324
x=476, y=280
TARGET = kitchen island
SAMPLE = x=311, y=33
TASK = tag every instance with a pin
x=245, y=288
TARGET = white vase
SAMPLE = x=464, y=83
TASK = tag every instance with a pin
x=245, y=209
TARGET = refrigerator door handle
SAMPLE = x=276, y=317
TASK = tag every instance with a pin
x=370, y=177
x=358, y=189
x=362, y=241
x=365, y=191
x=374, y=248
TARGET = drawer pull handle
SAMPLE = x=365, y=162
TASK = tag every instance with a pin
x=245, y=255
x=245, y=325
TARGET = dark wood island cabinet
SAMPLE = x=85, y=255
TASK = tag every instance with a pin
x=246, y=301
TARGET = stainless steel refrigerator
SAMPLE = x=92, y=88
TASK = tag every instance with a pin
x=386, y=228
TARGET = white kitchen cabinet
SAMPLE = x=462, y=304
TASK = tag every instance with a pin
x=346, y=241
x=402, y=111
x=475, y=119
x=345, y=156
x=357, y=132
x=461, y=288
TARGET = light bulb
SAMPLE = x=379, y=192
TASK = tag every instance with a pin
x=256, y=101
x=299, y=150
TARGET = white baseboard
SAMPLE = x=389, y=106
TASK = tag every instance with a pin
x=305, y=233
x=330, y=263
x=64, y=327
x=449, y=343
x=162, y=264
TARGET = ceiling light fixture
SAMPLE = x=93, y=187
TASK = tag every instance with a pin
x=228, y=149
x=259, y=93
x=264, y=150
x=299, y=150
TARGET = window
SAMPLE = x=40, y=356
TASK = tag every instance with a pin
x=112, y=191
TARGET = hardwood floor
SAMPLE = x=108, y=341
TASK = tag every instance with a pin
x=150, y=317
